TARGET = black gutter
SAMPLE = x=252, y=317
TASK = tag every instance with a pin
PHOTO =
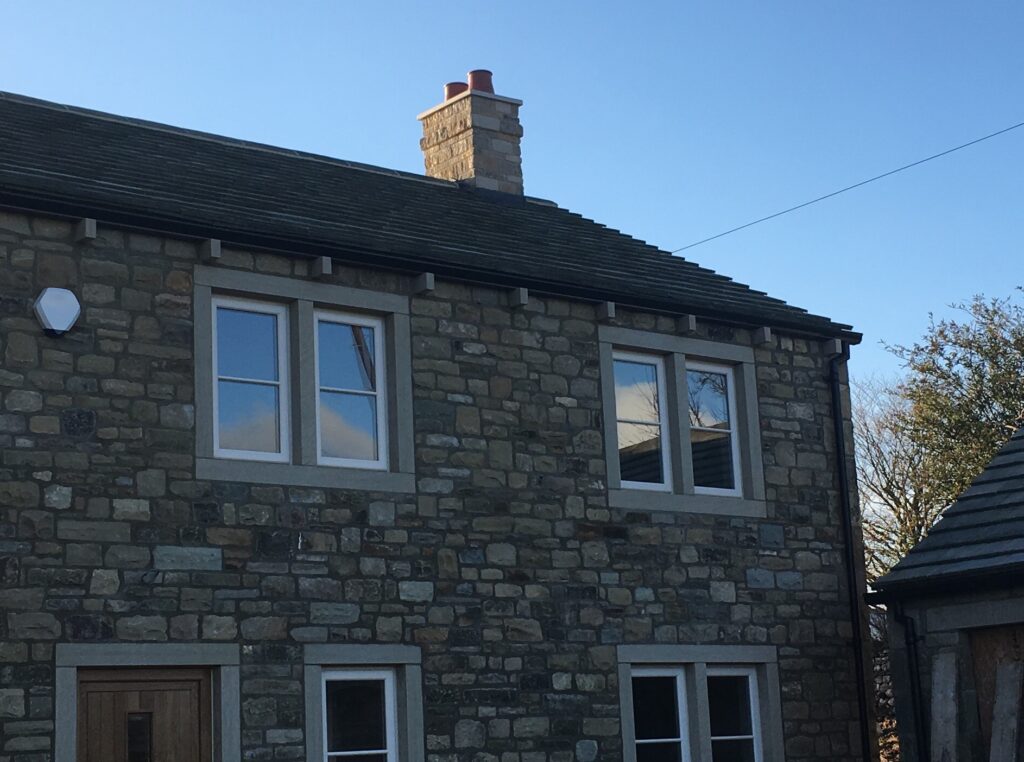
x=852, y=584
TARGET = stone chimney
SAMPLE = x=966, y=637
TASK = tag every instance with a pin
x=473, y=136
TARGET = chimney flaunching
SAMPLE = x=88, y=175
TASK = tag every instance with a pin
x=473, y=136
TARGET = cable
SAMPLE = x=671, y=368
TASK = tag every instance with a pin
x=849, y=188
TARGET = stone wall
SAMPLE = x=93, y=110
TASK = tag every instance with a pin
x=507, y=567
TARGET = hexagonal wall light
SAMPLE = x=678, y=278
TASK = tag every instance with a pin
x=57, y=309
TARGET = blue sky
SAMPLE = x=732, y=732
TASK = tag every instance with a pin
x=671, y=121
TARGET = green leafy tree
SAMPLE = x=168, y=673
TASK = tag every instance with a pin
x=964, y=391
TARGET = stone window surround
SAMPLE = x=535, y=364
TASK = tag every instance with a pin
x=695, y=662
x=303, y=299
x=221, y=658
x=406, y=661
x=674, y=350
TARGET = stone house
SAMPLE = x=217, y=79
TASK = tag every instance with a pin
x=339, y=462
x=955, y=609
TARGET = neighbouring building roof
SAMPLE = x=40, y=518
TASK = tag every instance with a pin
x=982, y=533
x=123, y=171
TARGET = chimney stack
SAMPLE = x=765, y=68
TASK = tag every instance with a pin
x=473, y=136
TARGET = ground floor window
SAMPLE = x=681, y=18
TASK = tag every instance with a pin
x=659, y=715
x=360, y=714
x=364, y=703
x=688, y=703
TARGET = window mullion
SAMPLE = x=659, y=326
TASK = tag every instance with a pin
x=679, y=424
x=304, y=382
x=699, y=712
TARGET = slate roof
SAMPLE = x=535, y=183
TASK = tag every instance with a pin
x=982, y=533
x=124, y=171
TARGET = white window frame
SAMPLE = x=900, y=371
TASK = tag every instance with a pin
x=387, y=676
x=755, y=709
x=280, y=311
x=380, y=382
x=658, y=361
x=734, y=446
x=679, y=674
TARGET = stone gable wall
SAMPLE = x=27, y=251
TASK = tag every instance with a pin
x=507, y=567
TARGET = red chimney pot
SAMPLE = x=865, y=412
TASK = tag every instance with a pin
x=454, y=88
x=480, y=79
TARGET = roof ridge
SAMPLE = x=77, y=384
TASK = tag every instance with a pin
x=252, y=145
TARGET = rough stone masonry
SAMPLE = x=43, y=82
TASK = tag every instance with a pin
x=506, y=567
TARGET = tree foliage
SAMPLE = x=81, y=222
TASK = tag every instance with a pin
x=922, y=440
x=964, y=391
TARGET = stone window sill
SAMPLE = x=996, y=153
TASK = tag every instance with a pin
x=292, y=475
x=646, y=500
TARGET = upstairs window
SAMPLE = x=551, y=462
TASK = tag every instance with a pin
x=251, y=380
x=641, y=424
x=302, y=383
x=682, y=424
x=351, y=416
x=711, y=399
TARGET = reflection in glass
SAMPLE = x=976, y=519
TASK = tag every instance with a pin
x=638, y=413
x=636, y=392
x=640, y=458
x=346, y=356
x=655, y=709
x=348, y=426
x=247, y=416
x=356, y=718
x=247, y=345
x=709, y=399
x=710, y=429
x=712, y=459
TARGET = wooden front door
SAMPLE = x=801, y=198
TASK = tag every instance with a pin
x=144, y=715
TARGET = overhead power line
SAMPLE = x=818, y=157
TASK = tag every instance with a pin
x=850, y=187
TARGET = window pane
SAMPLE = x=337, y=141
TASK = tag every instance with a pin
x=732, y=751
x=356, y=716
x=658, y=752
x=640, y=453
x=248, y=416
x=348, y=426
x=636, y=391
x=655, y=709
x=729, y=705
x=709, y=399
x=346, y=356
x=712, y=459
x=359, y=757
x=247, y=344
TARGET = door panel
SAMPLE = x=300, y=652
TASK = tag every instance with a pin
x=144, y=715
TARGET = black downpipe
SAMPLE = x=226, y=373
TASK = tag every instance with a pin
x=851, y=560
x=913, y=667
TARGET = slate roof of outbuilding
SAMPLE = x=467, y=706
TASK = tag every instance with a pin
x=982, y=533
x=124, y=171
